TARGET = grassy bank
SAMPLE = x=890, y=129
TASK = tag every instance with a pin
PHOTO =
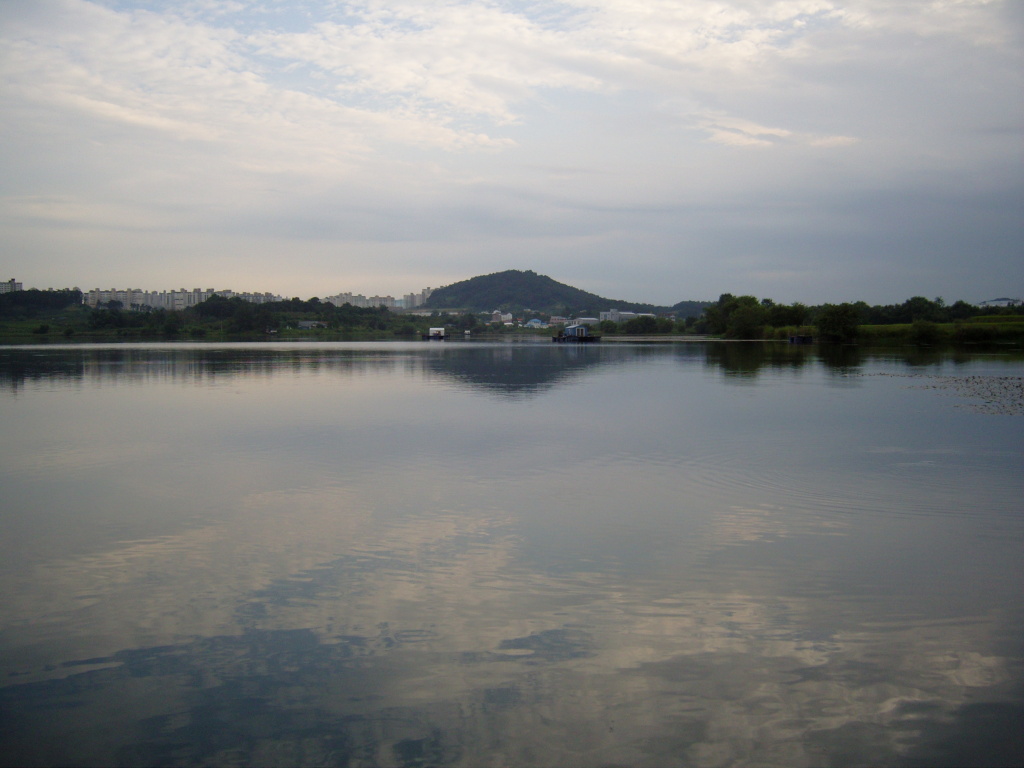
x=979, y=330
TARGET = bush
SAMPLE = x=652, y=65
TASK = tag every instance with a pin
x=924, y=333
x=987, y=332
x=838, y=323
x=974, y=333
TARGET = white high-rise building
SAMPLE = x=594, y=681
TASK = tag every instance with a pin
x=358, y=300
x=413, y=300
x=135, y=298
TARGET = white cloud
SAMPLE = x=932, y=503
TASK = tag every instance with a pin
x=471, y=59
x=445, y=74
x=446, y=124
x=79, y=212
x=744, y=133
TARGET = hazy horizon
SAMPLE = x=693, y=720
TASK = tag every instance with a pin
x=401, y=294
x=326, y=294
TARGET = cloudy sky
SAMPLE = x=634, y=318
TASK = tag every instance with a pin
x=650, y=150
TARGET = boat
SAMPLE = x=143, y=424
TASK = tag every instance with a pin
x=436, y=334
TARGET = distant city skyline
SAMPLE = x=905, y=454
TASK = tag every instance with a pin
x=182, y=298
x=801, y=150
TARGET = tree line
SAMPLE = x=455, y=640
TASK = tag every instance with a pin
x=749, y=317
x=735, y=317
x=64, y=312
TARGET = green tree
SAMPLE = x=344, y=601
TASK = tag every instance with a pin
x=172, y=324
x=467, y=321
x=644, y=324
x=837, y=323
x=960, y=310
x=780, y=315
x=217, y=307
x=920, y=308
x=738, y=317
x=716, y=316
x=34, y=303
x=746, y=319
x=100, y=319
x=243, y=317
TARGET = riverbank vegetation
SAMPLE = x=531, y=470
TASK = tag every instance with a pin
x=918, y=320
x=34, y=316
x=60, y=315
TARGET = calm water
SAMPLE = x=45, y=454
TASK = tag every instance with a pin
x=477, y=554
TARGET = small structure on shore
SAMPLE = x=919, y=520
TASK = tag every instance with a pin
x=575, y=334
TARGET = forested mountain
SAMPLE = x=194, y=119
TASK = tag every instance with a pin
x=515, y=290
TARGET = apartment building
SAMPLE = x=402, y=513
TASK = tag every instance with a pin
x=358, y=300
x=135, y=298
x=413, y=300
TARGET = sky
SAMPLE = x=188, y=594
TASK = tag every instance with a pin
x=646, y=150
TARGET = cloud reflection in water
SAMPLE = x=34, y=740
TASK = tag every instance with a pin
x=345, y=566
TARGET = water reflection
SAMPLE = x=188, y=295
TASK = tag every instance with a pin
x=497, y=368
x=343, y=555
x=746, y=360
x=502, y=369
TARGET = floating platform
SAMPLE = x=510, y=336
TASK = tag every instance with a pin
x=577, y=333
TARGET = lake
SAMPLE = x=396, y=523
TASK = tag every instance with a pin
x=510, y=554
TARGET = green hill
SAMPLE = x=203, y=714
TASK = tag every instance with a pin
x=515, y=290
x=690, y=308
